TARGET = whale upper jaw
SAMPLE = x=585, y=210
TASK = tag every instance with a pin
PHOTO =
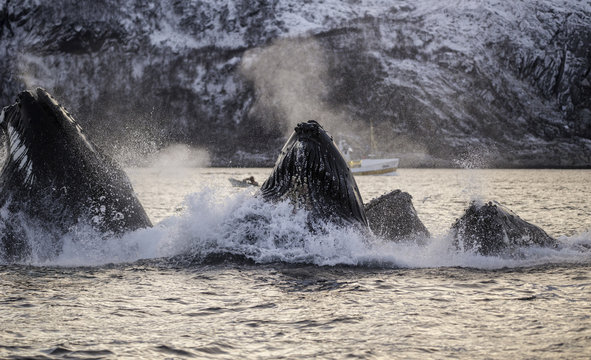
x=312, y=174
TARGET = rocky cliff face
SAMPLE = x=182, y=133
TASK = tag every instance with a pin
x=486, y=83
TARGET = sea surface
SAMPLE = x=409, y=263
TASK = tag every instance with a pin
x=211, y=280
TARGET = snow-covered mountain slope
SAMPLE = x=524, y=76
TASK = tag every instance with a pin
x=471, y=83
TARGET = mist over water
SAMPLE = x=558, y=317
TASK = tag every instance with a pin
x=291, y=82
x=179, y=156
x=33, y=72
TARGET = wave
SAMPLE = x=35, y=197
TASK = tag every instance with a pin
x=245, y=227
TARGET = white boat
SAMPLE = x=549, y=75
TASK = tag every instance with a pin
x=374, y=166
x=371, y=166
x=243, y=183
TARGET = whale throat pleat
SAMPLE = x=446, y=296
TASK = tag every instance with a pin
x=18, y=160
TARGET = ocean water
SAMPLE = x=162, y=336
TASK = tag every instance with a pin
x=280, y=292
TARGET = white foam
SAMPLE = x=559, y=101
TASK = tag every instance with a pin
x=265, y=233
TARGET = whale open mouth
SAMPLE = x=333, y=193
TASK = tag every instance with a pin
x=55, y=177
x=311, y=173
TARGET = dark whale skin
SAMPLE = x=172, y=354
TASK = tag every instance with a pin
x=393, y=217
x=55, y=177
x=312, y=174
x=492, y=229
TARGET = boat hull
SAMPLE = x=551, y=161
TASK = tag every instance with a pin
x=374, y=166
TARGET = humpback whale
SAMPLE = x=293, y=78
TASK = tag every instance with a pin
x=394, y=217
x=311, y=173
x=492, y=229
x=55, y=177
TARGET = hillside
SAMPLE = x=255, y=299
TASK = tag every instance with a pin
x=473, y=83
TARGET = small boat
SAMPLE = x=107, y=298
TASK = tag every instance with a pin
x=242, y=183
x=374, y=166
x=371, y=166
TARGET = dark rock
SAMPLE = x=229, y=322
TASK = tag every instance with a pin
x=393, y=216
x=492, y=229
x=436, y=78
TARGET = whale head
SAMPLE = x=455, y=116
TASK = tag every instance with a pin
x=312, y=174
x=36, y=127
x=54, y=171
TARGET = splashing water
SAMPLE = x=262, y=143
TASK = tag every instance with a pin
x=246, y=227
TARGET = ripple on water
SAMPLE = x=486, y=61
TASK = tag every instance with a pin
x=272, y=311
x=62, y=351
x=212, y=350
x=169, y=350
